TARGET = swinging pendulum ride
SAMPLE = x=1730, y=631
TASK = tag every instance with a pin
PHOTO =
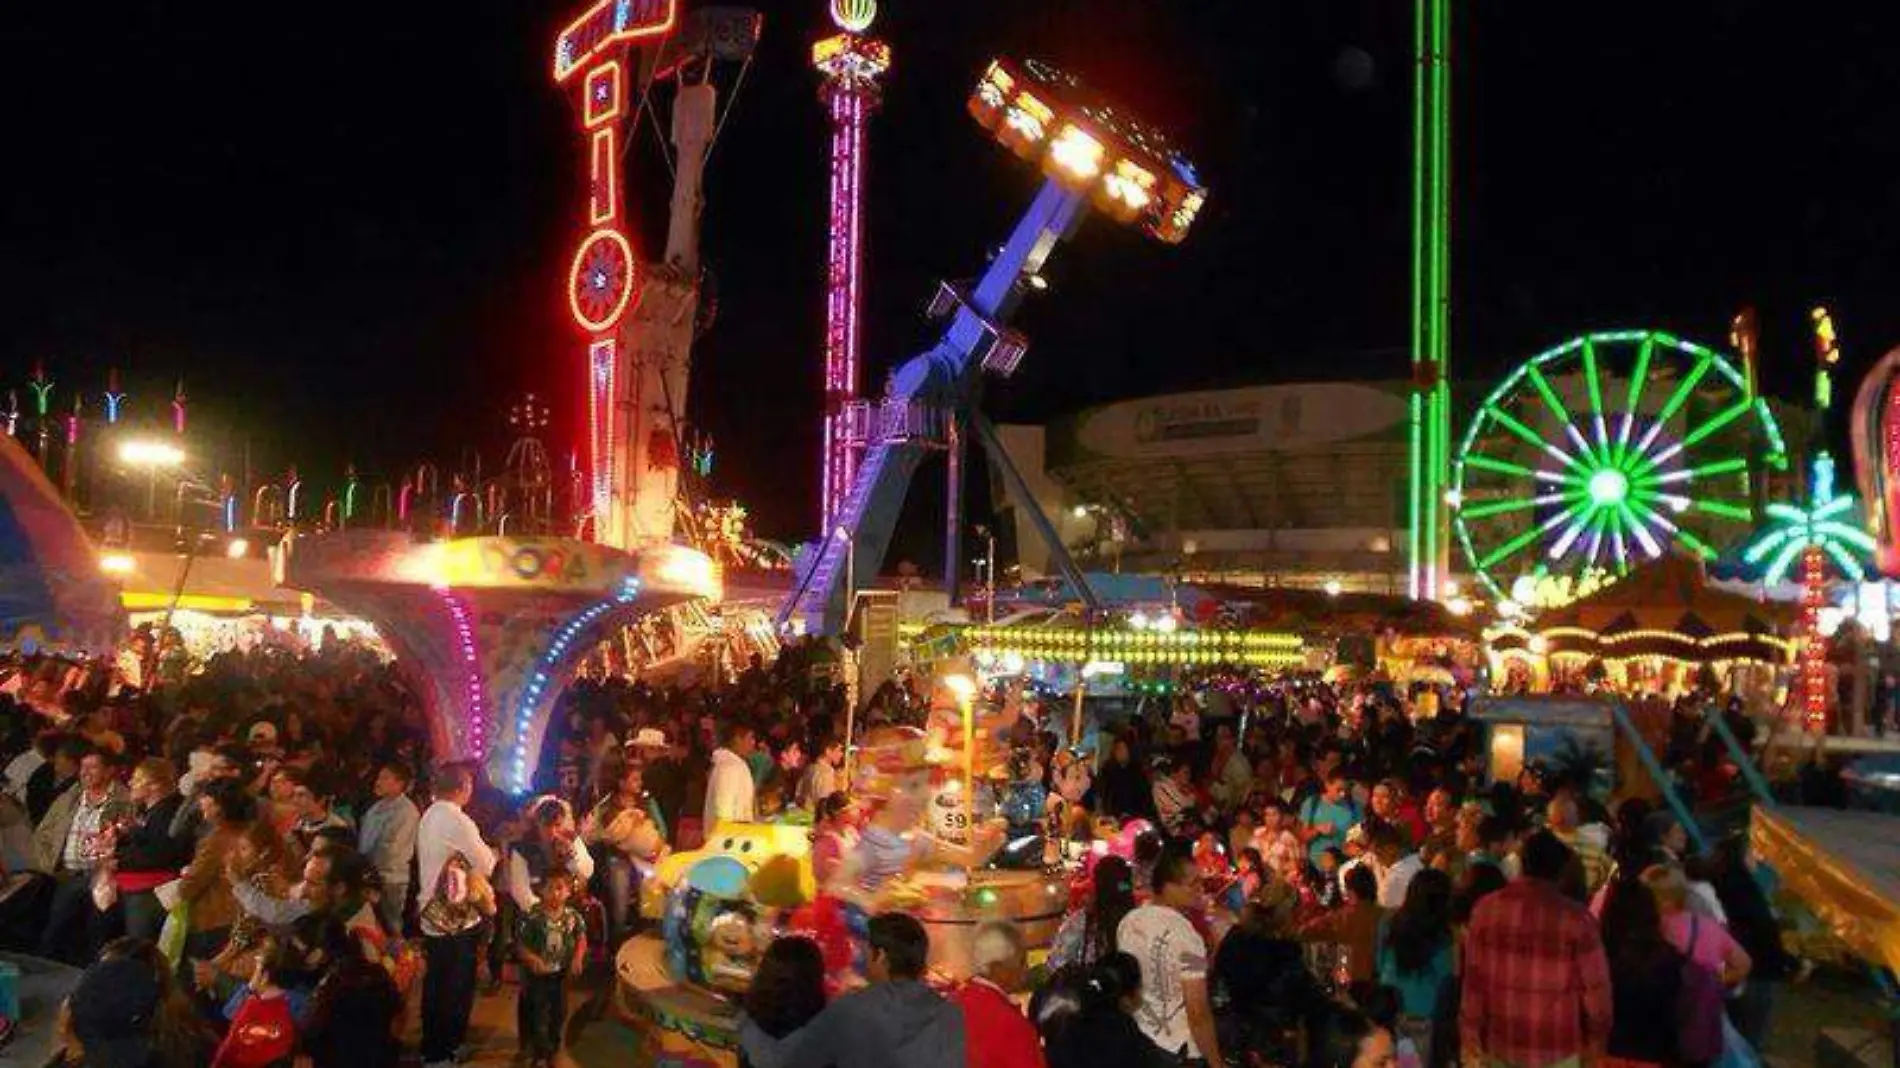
x=1092, y=155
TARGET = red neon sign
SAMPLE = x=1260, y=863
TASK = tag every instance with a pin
x=609, y=24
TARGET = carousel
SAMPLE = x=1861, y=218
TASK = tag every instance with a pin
x=951, y=826
x=1662, y=629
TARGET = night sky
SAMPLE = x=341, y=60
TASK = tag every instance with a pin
x=348, y=225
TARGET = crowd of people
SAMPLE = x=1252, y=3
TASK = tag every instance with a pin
x=262, y=860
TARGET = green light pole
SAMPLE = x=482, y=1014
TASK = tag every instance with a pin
x=1429, y=543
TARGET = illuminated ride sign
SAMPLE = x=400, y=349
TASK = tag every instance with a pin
x=603, y=277
x=608, y=26
x=1126, y=168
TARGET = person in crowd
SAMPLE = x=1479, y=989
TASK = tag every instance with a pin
x=896, y=1022
x=146, y=855
x=552, y=843
x=1563, y=818
x=228, y=809
x=1176, y=1011
x=1103, y=1032
x=355, y=1010
x=56, y=774
x=1270, y=998
x=627, y=836
x=1327, y=816
x=263, y=1027
x=222, y=764
x=1353, y=926
x=71, y=844
x=1394, y=808
x=552, y=945
x=1654, y=988
x=822, y=776
x=1174, y=795
x=1394, y=864
x=110, y=1020
x=1415, y=957
x=1122, y=789
x=388, y=840
x=1752, y=922
x=1492, y=842
x=449, y=933
x=995, y=1031
x=1230, y=773
x=788, y=989
x=313, y=801
x=1350, y=1039
x=1088, y=934
x=730, y=788
x=834, y=838
x=1702, y=939
x=1536, y=986
x=181, y=1036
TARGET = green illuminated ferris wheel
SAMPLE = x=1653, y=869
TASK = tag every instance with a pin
x=1605, y=452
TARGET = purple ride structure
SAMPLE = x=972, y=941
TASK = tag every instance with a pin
x=1093, y=155
x=851, y=63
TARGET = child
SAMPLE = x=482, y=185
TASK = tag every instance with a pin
x=551, y=943
x=263, y=1030
x=1253, y=872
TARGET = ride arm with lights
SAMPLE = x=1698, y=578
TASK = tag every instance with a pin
x=1091, y=155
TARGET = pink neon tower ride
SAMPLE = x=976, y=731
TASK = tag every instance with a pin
x=851, y=64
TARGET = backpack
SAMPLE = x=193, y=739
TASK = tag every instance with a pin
x=457, y=904
x=1699, y=1010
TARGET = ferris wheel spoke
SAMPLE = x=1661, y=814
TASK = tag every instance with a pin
x=1728, y=415
x=1515, y=504
x=1725, y=510
x=1533, y=437
x=1641, y=529
x=1510, y=548
x=1695, y=544
x=1620, y=550
x=1551, y=399
x=1686, y=387
x=1639, y=377
x=1579, y=522
x=1496, y=466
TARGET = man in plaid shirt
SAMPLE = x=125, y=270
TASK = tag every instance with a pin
x=1536, y=984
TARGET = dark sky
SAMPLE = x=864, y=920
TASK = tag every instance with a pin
x=348, y=224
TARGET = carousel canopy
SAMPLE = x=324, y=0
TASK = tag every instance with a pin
x=53, y=597
x=1668, y=608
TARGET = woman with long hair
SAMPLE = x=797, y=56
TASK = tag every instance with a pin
x=1088, y=934
x=229, y=810
x=1103, y=1033
x=788, y=989
x=1653, y=1002
x=1416, y=957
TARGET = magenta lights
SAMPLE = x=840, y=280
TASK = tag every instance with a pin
x=851, y=65
x=468, y=656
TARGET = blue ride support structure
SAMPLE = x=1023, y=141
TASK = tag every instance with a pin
x=1094, y=156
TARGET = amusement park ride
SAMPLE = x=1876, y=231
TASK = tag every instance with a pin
x=493, y=626
x=1092, y=155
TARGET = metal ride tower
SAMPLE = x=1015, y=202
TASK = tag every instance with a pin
x=591, y=60
x=492, y=627
x=1092, y=154
x=851, y=64
x=1428, y=508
